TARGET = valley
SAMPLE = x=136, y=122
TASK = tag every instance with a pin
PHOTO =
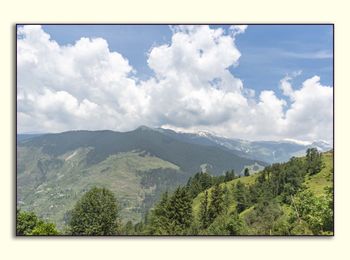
x=55, y=170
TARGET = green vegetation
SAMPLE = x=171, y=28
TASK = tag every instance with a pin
x=246, y=172
x=96, y=213
x=133, y=177
x=77, y=186
x=277, y=201
x=55, y=170
x=28, y=224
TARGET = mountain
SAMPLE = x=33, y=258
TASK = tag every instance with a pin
x=54, y=170
x=255, y=219
x=23, y=137
x=268, y=151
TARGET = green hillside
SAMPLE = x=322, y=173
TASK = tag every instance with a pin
x=50, y=186
x=227, y=185
x=292, y=198
x=188, y=156
x=55, y=170
x=317, y=183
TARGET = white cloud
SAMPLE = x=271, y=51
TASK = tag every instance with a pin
x=72, y=86
x=238, y=29
x=87, y=86
x=286, y=87
x=311, y=114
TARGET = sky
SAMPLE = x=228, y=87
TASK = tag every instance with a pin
x=256, y=82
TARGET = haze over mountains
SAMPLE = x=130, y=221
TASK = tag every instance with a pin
x=268, y=151
x=54, y=170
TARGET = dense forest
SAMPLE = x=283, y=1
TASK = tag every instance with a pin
x=292, y=198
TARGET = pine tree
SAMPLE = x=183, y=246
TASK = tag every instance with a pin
x=226, y=198
x=217, y=203
x=314, y=161
x=159, y=223
x=229, y=175
x=180, y=210
x=204, y=216
x=240, y=194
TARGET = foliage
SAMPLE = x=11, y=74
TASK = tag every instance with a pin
x=96, y=213
x=199, y=182
x=316, y=212
x=203, y=214
x=172, y=215
x=44, y=228
x=29, y=224
x=216, y=206
x=314, y=161
x=276, y=201
x=241, y=195
x=235, y=225
x=263, y=217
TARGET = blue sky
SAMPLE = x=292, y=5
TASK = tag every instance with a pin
x=256, y=82
x=269, y=52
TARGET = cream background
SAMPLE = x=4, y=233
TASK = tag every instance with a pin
x=267, y=11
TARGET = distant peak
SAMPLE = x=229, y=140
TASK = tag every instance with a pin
x=321, y=142
x=143, y=127
x=295, y=141
x=204, y=133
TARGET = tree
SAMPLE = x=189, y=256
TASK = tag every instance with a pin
x=241, y=196
x=246, y=172
x=235, y=224
x=44, y=228
x=29, y=224
x=263, y=219
x=217, y=203
x=96, y=213
x=26, y=222
x=172, y=215
x=229, y=175
x=203, y=214
x=313, y=160
x=158, y=221
x=316, y=212
x=180, y=210
x=198, y=183
x=227, y=224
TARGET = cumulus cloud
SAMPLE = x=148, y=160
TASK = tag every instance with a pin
x=87, y=86
x=72, y=86
x=238, y=29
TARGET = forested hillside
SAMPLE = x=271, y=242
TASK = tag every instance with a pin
x=55, y=170
x=293, y=198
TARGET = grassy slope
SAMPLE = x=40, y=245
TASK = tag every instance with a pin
x=62, y=187
x=315, y=183
x=324, y=178
x=246, y=180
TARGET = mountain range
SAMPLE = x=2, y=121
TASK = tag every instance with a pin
x=54, y=170
x=267, y=151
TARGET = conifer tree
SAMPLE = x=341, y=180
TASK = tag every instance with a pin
x=217, y=203
x=158, y=222
x=204, y=216
x=240, y=193
x=314, y=161
x=180, y=210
